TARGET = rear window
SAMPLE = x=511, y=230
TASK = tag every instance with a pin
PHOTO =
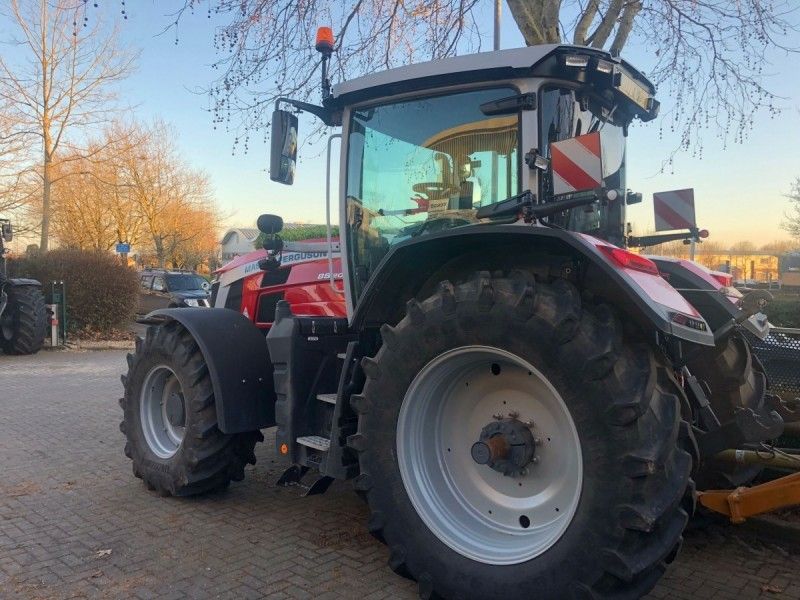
x=182, y=283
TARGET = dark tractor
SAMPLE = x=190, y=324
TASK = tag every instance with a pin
x=23, y=314
x=524, y=403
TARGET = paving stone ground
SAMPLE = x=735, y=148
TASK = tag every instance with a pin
x=75, y=523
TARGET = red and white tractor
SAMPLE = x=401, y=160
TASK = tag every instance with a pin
x=526, y=405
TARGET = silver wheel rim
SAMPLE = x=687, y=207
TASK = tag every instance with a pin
x=477, y=511
x=163, y=437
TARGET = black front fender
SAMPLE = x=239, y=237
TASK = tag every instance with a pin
x=411, y=267
x=238, y=363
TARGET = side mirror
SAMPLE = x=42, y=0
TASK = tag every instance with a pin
x=269, y=224
x=283, y=147
x=8, y=232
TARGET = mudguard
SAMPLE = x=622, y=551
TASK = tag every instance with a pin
x=238, y=364
x=410, y=266
x=696, y=283
x=19, y=282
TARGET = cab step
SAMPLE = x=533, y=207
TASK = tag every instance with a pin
x=317, y=442
x=329, y=398
x=293, y=477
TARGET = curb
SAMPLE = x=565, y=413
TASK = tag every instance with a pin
x=101, y=345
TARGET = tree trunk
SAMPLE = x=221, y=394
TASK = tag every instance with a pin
x=47, y=140
x=46, y=185
x=582, y=28
x=158, y=242
x=603, y=31
x=632, y=9
x=537, y=20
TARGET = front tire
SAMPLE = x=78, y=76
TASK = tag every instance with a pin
x=736, y=381
x=23, y=324
x=598, y=516
x=170, y=418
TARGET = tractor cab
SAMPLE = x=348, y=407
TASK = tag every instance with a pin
x=442, y=145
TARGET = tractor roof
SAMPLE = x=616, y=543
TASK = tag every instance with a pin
x=484, y=66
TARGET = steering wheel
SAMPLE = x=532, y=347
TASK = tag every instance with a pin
x=434, y=188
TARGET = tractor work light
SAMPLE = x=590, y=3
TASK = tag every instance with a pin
x=576, y=60
x=324, y=42
x=603, y=66
x=630, y=260
x=635, y=92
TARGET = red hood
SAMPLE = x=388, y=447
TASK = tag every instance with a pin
x=259, y=254
x=241, y=260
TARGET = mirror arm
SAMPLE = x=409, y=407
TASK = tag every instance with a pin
x=327, y=115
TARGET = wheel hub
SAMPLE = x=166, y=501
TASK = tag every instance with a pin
x=175, y=412
x=507, y=446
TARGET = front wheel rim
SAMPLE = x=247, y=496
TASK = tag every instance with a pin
x=478, y=512
x=163, y=435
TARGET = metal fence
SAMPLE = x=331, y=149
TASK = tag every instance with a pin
x=780, y=355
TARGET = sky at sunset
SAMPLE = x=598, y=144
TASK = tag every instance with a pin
x=738, y=190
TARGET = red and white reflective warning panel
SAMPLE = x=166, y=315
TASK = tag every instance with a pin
x=674, y=209
x=577, y=164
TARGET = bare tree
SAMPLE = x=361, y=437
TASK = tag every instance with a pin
x=791, y=222
x=58, y=81
x=135, y=188
x=173, y=201
x=707, y=54
x=16, y=185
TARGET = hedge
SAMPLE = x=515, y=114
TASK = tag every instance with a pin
x=101, y=293
x=299, y=233
x=784, y=311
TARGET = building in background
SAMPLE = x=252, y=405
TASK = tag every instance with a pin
x=237, y=241
x=744, y=265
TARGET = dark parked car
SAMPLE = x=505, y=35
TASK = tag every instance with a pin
x=171, y=289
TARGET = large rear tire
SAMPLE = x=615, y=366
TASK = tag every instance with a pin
x=170, y=418
x=23, y=324
x=598, y=515
x=736, y=381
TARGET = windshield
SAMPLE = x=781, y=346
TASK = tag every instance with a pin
x=422, y=166
x=182, y=283
x=564, y=113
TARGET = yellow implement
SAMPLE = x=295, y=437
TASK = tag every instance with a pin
x=746, y=502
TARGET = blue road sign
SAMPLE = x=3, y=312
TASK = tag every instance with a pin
x=123, y=248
